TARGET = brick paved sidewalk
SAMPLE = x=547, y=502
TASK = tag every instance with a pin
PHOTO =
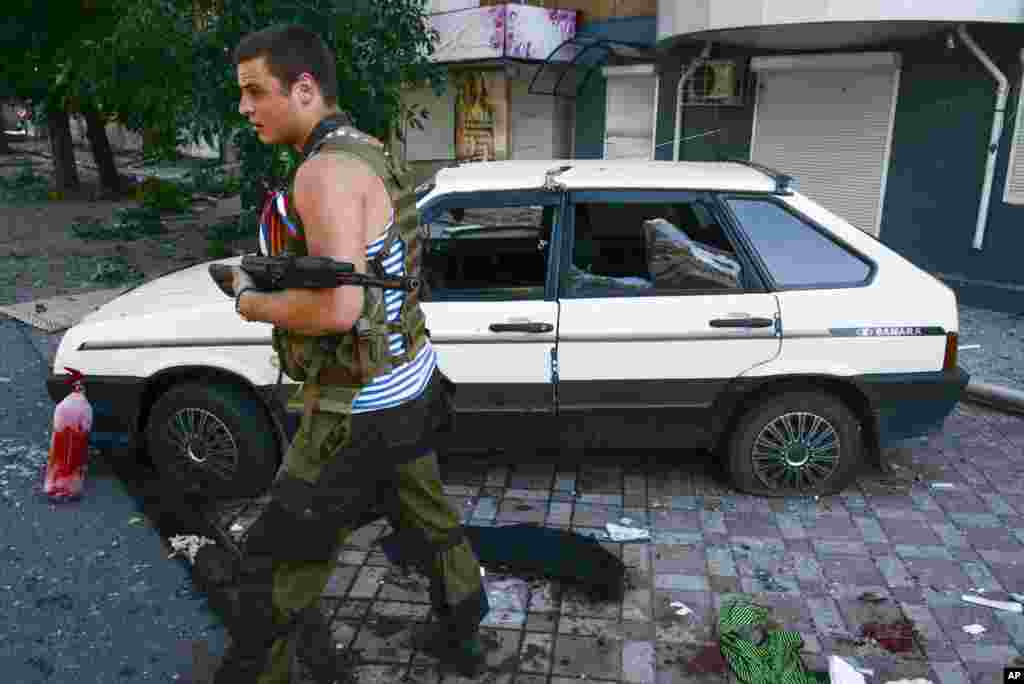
x=916, y=547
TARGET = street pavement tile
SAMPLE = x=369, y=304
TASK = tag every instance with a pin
x=769, y=582
x=966, y=520
x=851, y=570
x=637, y=516
x=692, y=503
x=411, y=587
x=497, y=476
x=791, y=526
x=986, y=654
x=673, y=582
x=591, y=515
x=1010, y=577
x=863, y=617
x=350, y=609
x=599, y=499
x=992, y=538
x=999, y=504
x=378, y=674
x=384, y=641
x=378, y=558
x=1013, y=623
x=939, y=574
x=368, y=582
x=574, y=603
x=689, y=664
x=364, y=537
x=671, y=519
x=638, y=662
x=752, y=525
x=799, y=546
x=637, y=556
x=914, y=552
x=599, y=481
x=339, y=581
x=528, y=494
x=960, y=501
x=400, y=610
x=871, y=530
x=635, y=630
x=634, y=500
x=950, y=673
x=806, y=567
x=344, y=632
x=698, y=625
x=507, y=593
x=505, y=619
x=574, y=625
x=825, y=547
x=908, y=532
x=684, y=560
x=954, y=616
x=981, y=575
x=594, y=657
x=501, y=649
x=565, y=481
x=676, y=537
x=826, y=615
x=898, y=512
x=522, y=510
x=723, y=583
x=541, y=622
x=888, y=668
x=720, y=561
x=913, y=595
x=352, y=557
x=713, y=522
x=950, y=535
x=833, y=528
x=536, y=652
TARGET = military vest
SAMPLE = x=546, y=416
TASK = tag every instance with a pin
x=349, y=361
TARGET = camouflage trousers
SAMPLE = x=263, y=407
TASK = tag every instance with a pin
x=355, y=472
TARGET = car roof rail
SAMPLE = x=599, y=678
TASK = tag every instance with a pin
x=783, y=182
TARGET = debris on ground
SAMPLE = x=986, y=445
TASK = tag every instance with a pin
x=189, y=545
x=842, y=672
x=943, y=485
x=620, y=533
x=775, y=658
x=681, y=608
x=974, y=630
x=1000, y=605
x=872, y=597
x=1017, y=597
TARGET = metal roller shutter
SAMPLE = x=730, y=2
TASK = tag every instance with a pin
x=830, y=129
x=629, y=122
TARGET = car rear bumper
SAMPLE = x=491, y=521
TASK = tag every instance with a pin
x=907, y=405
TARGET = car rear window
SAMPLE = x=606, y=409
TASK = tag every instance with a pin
x=796, y=253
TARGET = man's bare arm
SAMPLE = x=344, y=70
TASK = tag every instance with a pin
x=331, y=199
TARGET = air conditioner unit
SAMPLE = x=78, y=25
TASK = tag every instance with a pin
x=717, y=82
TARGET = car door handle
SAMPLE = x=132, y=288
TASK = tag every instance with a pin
x=742, y=322
x=522, y=327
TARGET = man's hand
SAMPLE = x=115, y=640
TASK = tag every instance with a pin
x=240, y=279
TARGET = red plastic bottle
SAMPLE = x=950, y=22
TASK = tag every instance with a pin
x=69, y=448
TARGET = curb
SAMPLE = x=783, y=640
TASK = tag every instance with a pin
x=997, y=396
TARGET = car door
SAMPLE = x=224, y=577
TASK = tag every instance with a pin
x=659, y=311
x=492, y=313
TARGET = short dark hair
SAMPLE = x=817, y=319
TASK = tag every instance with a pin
x=290, y=50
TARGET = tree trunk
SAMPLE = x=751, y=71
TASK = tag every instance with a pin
x=65, y=171
x=96, y=131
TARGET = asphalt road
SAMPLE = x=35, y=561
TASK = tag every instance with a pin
x=86, y=594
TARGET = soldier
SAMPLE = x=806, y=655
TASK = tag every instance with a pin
x=372, y=396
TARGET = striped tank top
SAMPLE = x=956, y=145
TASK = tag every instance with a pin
x=406, y=382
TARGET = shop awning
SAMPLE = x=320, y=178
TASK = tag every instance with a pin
x=567, y=69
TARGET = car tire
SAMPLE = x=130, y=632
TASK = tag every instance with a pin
x=821, y=455
x=212, y=440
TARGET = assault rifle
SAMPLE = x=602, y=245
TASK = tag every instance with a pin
x=308, y=272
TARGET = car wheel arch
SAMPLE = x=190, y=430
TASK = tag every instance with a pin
x=738, y=401
x=161, y=382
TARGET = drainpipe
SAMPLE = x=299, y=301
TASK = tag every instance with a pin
x=997, y=131
x=683, y=78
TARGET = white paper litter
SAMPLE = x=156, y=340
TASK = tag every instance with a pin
x=237, y=527
x=1017, y=597
x=619, y=533
x=682, y=609
x=1001, y=605
x=943, y=485
x=626, y=521
x=974, y=630
x=188, y=545
x=965, y=347
x=841, y=672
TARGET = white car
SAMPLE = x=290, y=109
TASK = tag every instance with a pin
x=582, y=304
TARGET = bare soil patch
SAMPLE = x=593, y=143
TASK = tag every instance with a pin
x=40, y=255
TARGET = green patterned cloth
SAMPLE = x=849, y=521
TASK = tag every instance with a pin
x=774, y=661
